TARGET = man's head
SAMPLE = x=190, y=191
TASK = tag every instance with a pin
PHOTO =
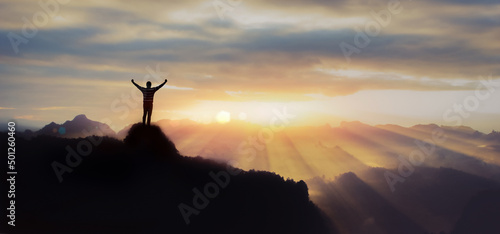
x=148, y=84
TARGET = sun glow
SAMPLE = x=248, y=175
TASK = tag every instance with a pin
x=223, y=117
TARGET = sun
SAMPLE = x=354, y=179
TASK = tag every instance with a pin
x=223, y=117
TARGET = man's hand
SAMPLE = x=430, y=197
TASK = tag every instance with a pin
x=161, y=85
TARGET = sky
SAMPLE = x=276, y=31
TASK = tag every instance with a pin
x=375, y=61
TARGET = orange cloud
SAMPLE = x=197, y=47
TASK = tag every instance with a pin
x=27, y=117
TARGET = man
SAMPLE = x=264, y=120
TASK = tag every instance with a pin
x=148, y=94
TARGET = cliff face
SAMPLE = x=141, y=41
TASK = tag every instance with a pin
x=142, y=185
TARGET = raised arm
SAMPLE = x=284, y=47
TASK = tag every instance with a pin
x=136, y=85
x=159, y=86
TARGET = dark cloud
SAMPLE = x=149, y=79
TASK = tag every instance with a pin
x=255, y=59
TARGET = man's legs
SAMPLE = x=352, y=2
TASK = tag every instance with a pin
x=150, y=111
x=145, y=112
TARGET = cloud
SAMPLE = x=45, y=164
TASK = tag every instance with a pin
x=263, y=50
x=6, y=108
x=54, y=108
x=27, y=117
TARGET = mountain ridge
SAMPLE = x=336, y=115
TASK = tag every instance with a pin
x=143, y=186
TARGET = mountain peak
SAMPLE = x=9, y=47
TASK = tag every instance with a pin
x=349, y=178
x=80, y=126
x=150, y=138
x=347, y=124
x=80, y=117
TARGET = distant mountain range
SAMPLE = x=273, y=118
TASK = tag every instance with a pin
x=313, y=151
x=432, y=200
x=80, y=126
x=454, y=188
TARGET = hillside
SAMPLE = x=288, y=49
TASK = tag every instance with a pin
x=431, y=199
x=142, y=185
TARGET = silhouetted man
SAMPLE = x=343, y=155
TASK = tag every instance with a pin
x=148, y=94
